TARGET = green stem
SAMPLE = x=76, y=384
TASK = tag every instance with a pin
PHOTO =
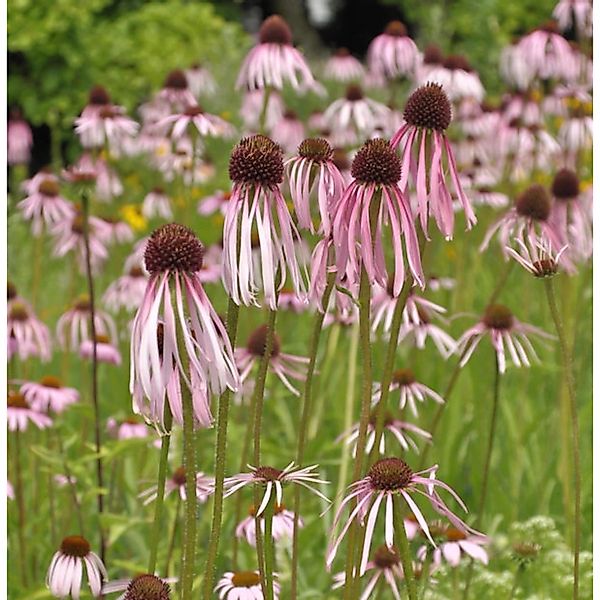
x=567, y=366
x=165, y=441
x=306, y=410
x=515, y=585
x=403, y=549
x=220, y=456
x=502, y=282
x=425, y=573
x=263, y=111
x=269, y=548
x=20, y=507
x=173, y=536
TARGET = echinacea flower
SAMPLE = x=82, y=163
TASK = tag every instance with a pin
x=393, y=54
x=26, y=334
x=218, y=201
x=176, y=483
x=256, y=169
x=506, y=332
x=243, y=585
x=66, y=569
x=457, y=78
x=175, y=91
x=273, y=480
x=144, y=586
x=282, y=364
x=19, y=139
x=358, y=230
x=128, y=429
x=274, y=61
x=537, y=257
x=156, y=203
x=343, y=67
x=49, y=394
x=389, y=480
x=288, y=132
x=574, y=13
x=314, y=180
x=200, y=80
x=252, y=108
x=576, y=131
x=282, y=524
x=427, y=115
x=193, y=120
x=108, y=126
x=19, y=413
x=105, y=351
x=127, y=291
x=515, y=68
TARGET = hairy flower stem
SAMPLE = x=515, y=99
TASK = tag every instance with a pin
x=306, y=410
x=487, y=464
x=567, y=367
x=220, y=454
x=165, y=441
x=85, y=202
x=269, y=548
x=403, y=549
x=20, y=508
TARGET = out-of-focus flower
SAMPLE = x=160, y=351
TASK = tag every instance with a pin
x=288, y=132
x=343, y=67
x=26, y=334
x=127, y=291
x=201, y=81
x=105, y=351
x=282, y=524
x=176, y=483
x=156, y=203
x=128, y=429
x=393, y=54
x=19, y=413
x=19, y=139
x=243, y=585
x=49, y=394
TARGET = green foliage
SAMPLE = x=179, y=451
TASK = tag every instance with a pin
x=59, y=49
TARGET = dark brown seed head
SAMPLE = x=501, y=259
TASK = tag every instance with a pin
x=340, y=159
x=550, y=26
x=534, y=203
x=18, y=312
x=75, y=545
x=565, y=186
x=546, y=267
x=99, y=96
x=386, y=558
x=178, y=476
x=50, y=381
x=428, y=107
x=77, y=224
x=388, y=417
x=395, y=29
x=147, y=587
x=454, y=62
x=455, y=535
x=193, y=111
x=82, y=303
x=316, y=149
x=403, y=376
x=136, y=271
x=274, y=30
x=354, y=93
x=376, y=162
x=257, y=342
x=268, y=473
x=257, y=160
x=433, y=55
x=176, y=80
x=102, y=339
x=158, y=190
x=173, y=247
x=245, y=579
x=11, y=290
x=290, y=115
x=390, y=474
x=16, y=400
x=49, y=187
x=498, y=316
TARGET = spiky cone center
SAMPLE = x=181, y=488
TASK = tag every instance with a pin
x=395, y=29
x=376, y=162
x=275, y=30
x=108, y=112
x=428, y=107
x=437, y=530
x=75, y=545
x=50, y=381
x=546, y=267
x=245, y=579
x=565, y=185
x=534, y=203
x=176, y=80
x=16, y=400
x=386, y=558
x=257, y=160
x=18, y=312
x=173, y=247
x=354, y=93
x=433, y=55
x=147, y=587
x=77, y=224
x=257, y=342
x=390, y=474
x=316, y=149
x=498, y=316
x=403, y=377
x=49, y=187
x=178, y=476
x=99, y=96
x=82, y=303
x=268, y=473
x=455, y=535
x=11, y=290
x=340, y=159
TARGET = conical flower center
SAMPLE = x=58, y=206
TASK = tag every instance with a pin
x=245, y=579
x=545, y=267
x=176, y=80
x=108, y=112
x=178, y=476
x=395, y=29
x=455, y=62
x=386, y=558
x=76, y=546
x=498, y=316
x=258, y=160
x=534, y=203
x=173, y=247
x=403, y=376
x=354, y=93
x=565, y=185
x=99, y=96
x=158, y=191
x=257, y=342
x=317, y=149
x=49, y=187
x=50, y=381
x=16, y=400
x=18, y=312
x=268, y=473
x=77, y=225
x=102, y=339
x=274, y=30
x=455, y=535
x=376, y=162
x=433, y=55
x=147, y=587
x=82, y=303
x=192, y=111
x=428, y=107
x=11, y=290
x=390, y=474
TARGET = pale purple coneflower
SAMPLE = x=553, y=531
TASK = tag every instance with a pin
x=427, y=115
x=435, y=283
x=166, y=326
x=506, y=333
x=452, y=545
x=49, y=394
x=358, y=234
x=19, y=139
x=211, y=270
x=343, y=67
x=10, y=492
x=243, y=585
x=522, y=106
x=282, y=364
x=194, y=121
x=175, y=91
x=200, y=80
x=576, y=132
x=26, y=334
x=216, y=202
x=273, y=480
x=73, y=327
x=274, y=61
x=256, y=169
x=252, y=105
x=98, y=98
x=457, y=78
x=108, y=184
x=515, y=68
x=313, y=176
x=289, y=301
x=282, y=526
x=117, y=232
x=106, y=352
x=390, y=477
x=288, y=132
x=156, y=204
x=574, y=13
x=127, y=291
x=176, y=484
x=432, y=58
x=393, y=54
x=144, y=586
x=30, y=186
x=316, y=121
x=19, y=413
x=128, y=429
x=45, y=206
x=65, y=572
x=537, y=257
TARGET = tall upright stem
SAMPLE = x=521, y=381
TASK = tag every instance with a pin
x=306, y=410
x=269, y=548
x=404, y=550
x=85, y=201
x=220, y=455
x=567, y=366
x=20, y=508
